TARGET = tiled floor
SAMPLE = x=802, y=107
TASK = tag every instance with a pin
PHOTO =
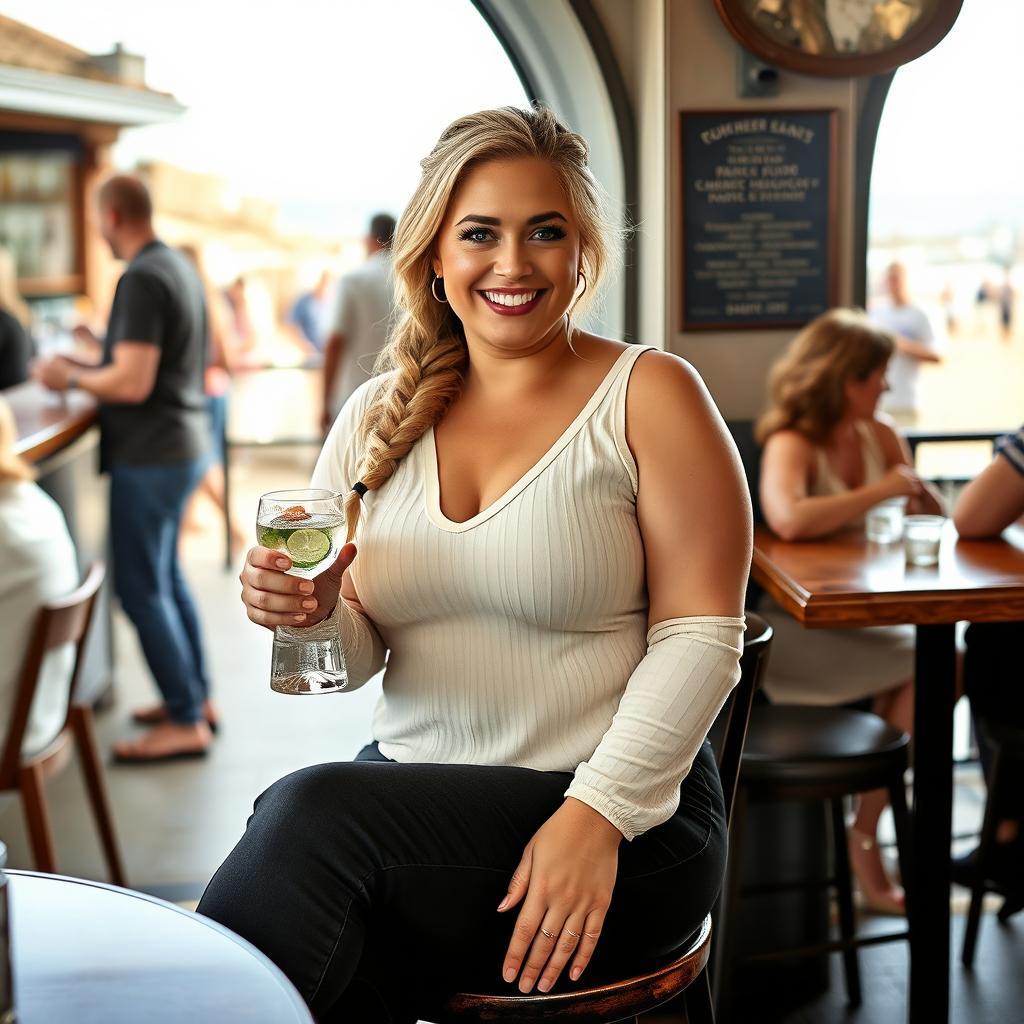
x=177, y=822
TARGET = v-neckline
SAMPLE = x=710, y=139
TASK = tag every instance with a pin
x=837, y=476
x=431, y=467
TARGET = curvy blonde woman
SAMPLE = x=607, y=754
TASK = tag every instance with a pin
x=829, y=457
x=553, y=542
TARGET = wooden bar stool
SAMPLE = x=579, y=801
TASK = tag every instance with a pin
x=59, y=622
x=684, y=976
x=813, y=754
x=1007, y=745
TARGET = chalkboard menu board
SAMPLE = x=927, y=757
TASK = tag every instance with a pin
x=758, y=218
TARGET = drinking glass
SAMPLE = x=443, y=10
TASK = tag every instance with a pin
x=884, y=523
x=921, y=538
x=308, y=526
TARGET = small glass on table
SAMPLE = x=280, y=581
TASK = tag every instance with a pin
x=922, y=536
x=884, y=523
x=308, y=526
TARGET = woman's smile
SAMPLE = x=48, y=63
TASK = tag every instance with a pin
x=512, y=301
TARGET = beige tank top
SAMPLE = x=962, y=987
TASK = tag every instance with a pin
x=827, y=482
x=511, y=635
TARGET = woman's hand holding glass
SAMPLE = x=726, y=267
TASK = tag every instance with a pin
x=272, y=598
x=901, y=482
x=565, y=879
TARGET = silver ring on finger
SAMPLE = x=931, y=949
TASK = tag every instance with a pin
x=547, y=934
x=569, y=931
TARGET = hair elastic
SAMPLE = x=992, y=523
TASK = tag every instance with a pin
x=360, y=488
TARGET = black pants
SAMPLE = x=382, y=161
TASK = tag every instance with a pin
x=994, y=682
x=374, y=883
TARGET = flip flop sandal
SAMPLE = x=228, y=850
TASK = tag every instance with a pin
x=178, y=755
x=157, y=717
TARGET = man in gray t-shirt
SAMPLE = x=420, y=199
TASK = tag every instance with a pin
x=915, y=343
x=361, y=321
x=154, y=441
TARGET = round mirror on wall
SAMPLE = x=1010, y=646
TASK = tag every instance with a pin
x=839, y=38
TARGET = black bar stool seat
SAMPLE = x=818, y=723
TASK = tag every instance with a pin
x=797, y=752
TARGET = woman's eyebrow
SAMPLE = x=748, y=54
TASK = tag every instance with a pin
x=479, y=218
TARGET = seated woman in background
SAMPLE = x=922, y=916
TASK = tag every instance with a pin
x=828, y=457
x=37, y=564
x=992, y=663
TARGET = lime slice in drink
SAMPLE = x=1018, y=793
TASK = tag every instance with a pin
x=307, y=547
x=269, y=537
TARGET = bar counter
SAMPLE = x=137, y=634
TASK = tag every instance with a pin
x=47, y=422
x=58, y=434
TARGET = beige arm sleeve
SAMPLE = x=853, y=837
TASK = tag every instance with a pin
x=669, y=704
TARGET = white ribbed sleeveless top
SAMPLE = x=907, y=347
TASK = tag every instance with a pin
x=511, y=635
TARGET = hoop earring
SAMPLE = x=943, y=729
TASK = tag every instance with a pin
x=433, y=291
x=582, y=293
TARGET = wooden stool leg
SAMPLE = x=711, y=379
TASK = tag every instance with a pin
x=724, y=949
x=844, y=898
x=988, y=835
x=85, y=737
x=699, y=1009
x=40, y=832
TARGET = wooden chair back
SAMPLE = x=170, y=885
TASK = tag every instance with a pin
x=729, y=733
x=64, y=620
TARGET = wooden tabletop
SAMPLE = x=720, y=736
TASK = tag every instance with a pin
x=86, y=953
x=843, y=580
x=47, y=421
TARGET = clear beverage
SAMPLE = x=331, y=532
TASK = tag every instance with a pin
x=312, y=543
x=884, y=523
x=309, y=527
x=922, y=538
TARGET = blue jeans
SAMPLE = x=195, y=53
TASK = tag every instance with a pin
x=146, y=504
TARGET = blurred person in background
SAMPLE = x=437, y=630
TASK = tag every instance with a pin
x=15, y=341
x=362, y=314
x=992, y=666
x=37, y=565
x=828, y=458
x=915, y=344
x=1005, y=298
x=308, y=313
x=154, y=435
x=220, y=360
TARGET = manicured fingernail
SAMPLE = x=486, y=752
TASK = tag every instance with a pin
x=310, y=604
x=544, y=984
x=503, y=904
x=525, y=984
x=282, y=563
x=306, y=587
x=510, y=974
x=299, y=618
x=575, y=973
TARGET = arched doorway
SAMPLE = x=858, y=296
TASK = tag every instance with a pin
x=947, y=202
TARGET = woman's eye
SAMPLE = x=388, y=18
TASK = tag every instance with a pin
x=549, y=234
x=475, y=235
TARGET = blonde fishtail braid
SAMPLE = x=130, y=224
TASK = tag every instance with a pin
x=411, y=399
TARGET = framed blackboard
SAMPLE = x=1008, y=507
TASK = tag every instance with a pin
x=759, y=218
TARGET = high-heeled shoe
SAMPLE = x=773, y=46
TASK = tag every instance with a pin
x=889, y=899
